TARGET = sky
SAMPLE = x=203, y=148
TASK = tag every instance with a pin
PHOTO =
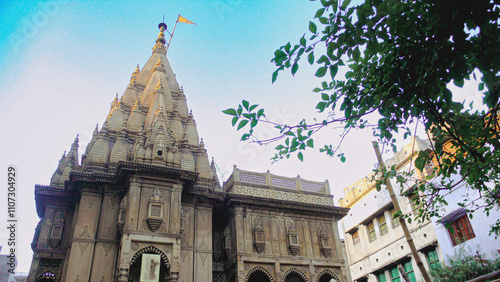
x=62, y=63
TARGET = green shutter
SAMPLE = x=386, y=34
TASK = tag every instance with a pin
x=395, y=274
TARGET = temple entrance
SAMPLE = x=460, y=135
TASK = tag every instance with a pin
x=149, y=263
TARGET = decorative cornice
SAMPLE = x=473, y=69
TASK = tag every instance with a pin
x=339, y=212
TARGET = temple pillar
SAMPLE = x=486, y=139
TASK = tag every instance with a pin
x=82, y=247
x=106, y=247
x=202, y=254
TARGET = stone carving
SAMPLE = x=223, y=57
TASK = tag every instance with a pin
x=107, y=247
x=326, y=249
x=83, y=246
x=203, y=257
x=85, y=233
x=293, y=238
x=134, y=246
x=155, y=210
x=258, y=235
x=184, y=254
x=281, y=195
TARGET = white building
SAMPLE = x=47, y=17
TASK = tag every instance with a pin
x=375, y=241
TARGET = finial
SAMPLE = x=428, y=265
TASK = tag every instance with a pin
x=76, y=140
x=64, y=155
x=137, y=69
x=202, y=144
x=161, y=35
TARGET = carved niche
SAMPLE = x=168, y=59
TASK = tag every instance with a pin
x=56, y=231
x=292, y=238
x=122, y=214
x=259, y=241
x=155, y=210
x=325, y=247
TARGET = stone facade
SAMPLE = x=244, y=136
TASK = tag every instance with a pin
x=145, y=204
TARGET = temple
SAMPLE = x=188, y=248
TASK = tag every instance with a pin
x=144, y=203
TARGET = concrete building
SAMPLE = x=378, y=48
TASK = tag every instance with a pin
x=375, y=241
x=145, y=204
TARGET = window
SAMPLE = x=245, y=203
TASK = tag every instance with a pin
x=408, y=267
x=395, y=274
x=381, y=277
x=432, y=259
x=395, y=221
x=382, y=225
x=371, y=232
x=461, y=230
x=415, y=203
x=355, y=238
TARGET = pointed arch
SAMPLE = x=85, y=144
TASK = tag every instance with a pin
x=327, y=273
x=47, y=276
x=259, y=269
x=150, y=250
x=295, y=271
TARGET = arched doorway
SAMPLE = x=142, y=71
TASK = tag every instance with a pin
x=259, y=274
x=136, y=263
x=294, y=275
x=327, y=276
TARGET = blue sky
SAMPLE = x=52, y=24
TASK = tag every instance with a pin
x=63, y=62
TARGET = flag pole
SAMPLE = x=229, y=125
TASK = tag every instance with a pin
x=173, y=30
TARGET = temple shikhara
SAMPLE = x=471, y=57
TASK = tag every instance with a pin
x=144, y=203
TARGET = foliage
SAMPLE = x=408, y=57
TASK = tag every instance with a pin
x=463, y=266
x=399, y=59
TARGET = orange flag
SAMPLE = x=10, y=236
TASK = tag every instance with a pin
x=184, y=20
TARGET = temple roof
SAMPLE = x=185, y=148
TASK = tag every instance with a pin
x=149, y=123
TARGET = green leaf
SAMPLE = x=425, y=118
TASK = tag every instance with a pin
x=459, y=82
x=231, y=112
x=312, y=27
x=235, y=119
x=319, y=12
x=316, y=90
x=260, y=113
x=295, y=67
x=342, y=159
x=325, y=97
x=303, y=41
x=333, y=71
x=321, y=72
x=310, y=58
x=321, y=106
x=310, y=143
x=252, y=107
x=242, y=123
x=245, y=104
x=345, y=4
x=253, y=123
x=275, y=75
x=240, y=110
x=480, y=87
x=300, y=156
